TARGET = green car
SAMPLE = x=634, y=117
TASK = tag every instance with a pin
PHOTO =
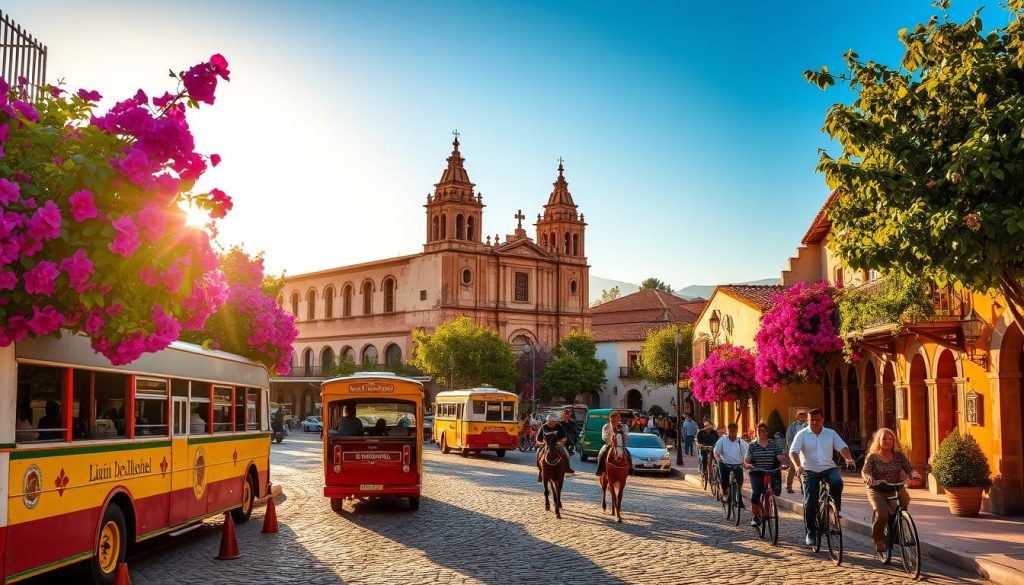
x=591, y=433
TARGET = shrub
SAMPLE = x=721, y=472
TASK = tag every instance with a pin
x=960, y=462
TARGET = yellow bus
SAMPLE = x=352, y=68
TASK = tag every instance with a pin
x=475, y=420
x=96, y=457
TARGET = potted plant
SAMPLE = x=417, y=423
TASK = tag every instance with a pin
x=961, y=468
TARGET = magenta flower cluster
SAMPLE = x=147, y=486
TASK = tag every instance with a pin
x=268, y=330
x=726, y=374
x=797, y=336
x=92, y=235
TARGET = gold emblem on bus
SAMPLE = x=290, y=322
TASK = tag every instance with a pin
x=199, y=473
x=32, y=486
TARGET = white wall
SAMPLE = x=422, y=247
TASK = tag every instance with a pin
x=614, y=393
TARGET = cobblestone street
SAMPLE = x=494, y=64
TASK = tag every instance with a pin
x=482, y=521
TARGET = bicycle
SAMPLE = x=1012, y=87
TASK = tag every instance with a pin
x=829, y=524
x=706, y=462
x=734, y=503
x=526, y=442
x=714, y=478
x=901, y=530
x=769, y=516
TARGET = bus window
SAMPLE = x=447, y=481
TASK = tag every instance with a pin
x=479, y=407
x=111, y=395
x=240, y=411
x=40, y=404
x=81, y=406
x=494, y=411
x=199, y=409
x=151, y=415
x=222, y=422
x=252, y=410
x=508, y=411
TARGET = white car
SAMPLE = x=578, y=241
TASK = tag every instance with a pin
x=312, y=424
x=648, y=453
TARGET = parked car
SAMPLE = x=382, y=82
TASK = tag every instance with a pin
x=649, y=453
x=312, y=424
x=590, y=432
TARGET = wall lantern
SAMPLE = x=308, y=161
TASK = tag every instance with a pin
x=973, y=408
x=973, y=327
x=715, y=322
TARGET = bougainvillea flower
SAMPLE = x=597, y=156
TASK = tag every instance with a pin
x=89, y=96
x=126, y=242
x=41, y=278
x=82, y=205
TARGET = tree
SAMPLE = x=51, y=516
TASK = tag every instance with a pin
x=527, y=367
x=609, y=294
x=479, y=355
x=575, y=368
x=658, y=354
x=656, y=284
x=931, y=174
x=250, y=323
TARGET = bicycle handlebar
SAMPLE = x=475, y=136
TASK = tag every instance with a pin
x=895, y=485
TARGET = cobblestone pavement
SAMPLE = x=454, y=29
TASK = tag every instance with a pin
x=482, y=520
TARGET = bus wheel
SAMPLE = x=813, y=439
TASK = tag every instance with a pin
x=242, y=513
x=444, y=445
x=414, y=504
x=111, y=546
x=464, y=452
x=337, y=505
x=500, y=452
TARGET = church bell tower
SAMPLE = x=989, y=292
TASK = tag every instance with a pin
x=454, y=211
x=561, y=229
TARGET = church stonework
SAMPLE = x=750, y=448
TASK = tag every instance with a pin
x=530, y=290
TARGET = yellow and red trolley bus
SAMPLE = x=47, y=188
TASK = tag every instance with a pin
x=96, y=457
x=478, y=419
x=373, y=444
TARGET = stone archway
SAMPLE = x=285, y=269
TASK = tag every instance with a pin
x=826, y=395
x=889, y=398
x=917, y=409
x=870, y=394
x=946, y=403
x=851, y=428
x=634, y=400
x=1007, y=496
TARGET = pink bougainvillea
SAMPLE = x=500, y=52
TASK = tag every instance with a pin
x=726, y=374
x=92, y=233
x=797, y=336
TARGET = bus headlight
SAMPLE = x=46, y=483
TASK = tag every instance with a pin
x=405, y=469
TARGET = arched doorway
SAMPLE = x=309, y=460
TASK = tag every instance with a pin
x=327, y=360
x=889, y=398
x=826, y=395
x=870, y=402
x=837, y=400
x=393, y=355
x=921, y=449
x=946, y=404
x=851, y=428
x=1008, y=495
x=634, y=400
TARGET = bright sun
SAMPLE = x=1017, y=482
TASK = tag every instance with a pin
x=194, y=216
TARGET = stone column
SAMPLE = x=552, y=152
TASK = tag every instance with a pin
x=1007, y=458
x=932, y=389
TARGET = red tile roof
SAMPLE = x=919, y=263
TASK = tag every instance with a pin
x=758, y=296
x=821, y=224
x=632, y=317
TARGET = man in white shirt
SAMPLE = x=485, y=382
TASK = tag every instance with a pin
x=811, y=453
x=730, y=452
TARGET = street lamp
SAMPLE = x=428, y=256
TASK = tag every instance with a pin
x=679, y=404
x=973, y=326
x=715, y=323
x=451, y=371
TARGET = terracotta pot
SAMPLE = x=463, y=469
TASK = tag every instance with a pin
x=964, y=501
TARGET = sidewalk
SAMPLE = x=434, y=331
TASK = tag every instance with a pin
x=989, y=545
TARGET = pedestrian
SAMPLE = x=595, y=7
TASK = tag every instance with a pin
x=794, y=427
x=651, y=426
x=689, y=433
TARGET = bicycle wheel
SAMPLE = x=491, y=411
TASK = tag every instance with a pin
x=523, y=445
x=822, y=527
x=771, y=518
x=910, y=546
x=737, y=500
x=762, y=526
x=834, y=534
x=716, y=483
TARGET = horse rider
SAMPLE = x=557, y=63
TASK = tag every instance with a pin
x=570, y=426
x=613, y=428
x=552, y=435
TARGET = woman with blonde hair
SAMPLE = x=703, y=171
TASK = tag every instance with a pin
x=884, y=463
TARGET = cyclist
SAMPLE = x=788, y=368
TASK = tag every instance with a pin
x=811, y=453
x=884, y=463
x=730, y=451
x=763, y=453
x=706, y=440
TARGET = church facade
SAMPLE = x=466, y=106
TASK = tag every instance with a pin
x=531, y=290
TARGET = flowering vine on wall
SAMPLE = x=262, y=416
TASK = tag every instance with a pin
x=797, y=336
x=92, y=233
x=726, y=374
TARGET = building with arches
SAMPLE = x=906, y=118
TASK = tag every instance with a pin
x=532, y=290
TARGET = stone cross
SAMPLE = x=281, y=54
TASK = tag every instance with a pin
x=520, y=217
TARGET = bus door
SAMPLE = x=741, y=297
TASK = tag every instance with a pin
x=462, y=426
x=181, y=478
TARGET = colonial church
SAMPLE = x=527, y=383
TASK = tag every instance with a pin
x=531, y=290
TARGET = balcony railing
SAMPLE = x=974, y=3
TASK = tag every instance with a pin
x=627, y=372
x=931, y=304
x=309, y=371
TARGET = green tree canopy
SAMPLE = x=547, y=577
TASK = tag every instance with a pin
x=479, y=355
x=930, y=180
x=658, y=354
x=575, y=368
x=656, y=284
x=608, y=294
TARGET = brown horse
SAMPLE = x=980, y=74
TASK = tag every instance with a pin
x=616, y=470
x=552, y=474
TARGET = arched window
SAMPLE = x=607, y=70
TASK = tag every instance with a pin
x=470, y=232
x=311, y=305
x=435, y=229
x=389, y=295
x=572, y=287
x=545, y=240
x=307, y=362
x=566, y=252
x=575, y=244
x=295, y=304
x=367, y=298
x=393, y=355
x=444, y=227
x=348, y=355
x=327, y=359
x=369, y=355
x=554, y=241
x=460, y=229
x=329, y=302
x=346, y=301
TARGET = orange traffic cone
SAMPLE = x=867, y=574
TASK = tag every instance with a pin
x=228, y=540
x=121, y=576
x=270, y=517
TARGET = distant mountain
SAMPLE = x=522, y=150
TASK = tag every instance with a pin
x=598, y=284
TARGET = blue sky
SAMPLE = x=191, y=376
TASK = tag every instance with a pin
x=689, y=134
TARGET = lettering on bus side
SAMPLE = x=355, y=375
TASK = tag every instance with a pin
x=119, y=469
x=370, y=387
